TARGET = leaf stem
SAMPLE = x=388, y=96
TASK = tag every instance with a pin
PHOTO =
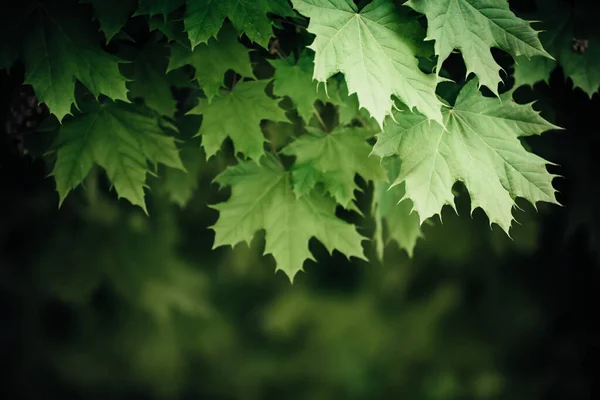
x=318, y=115
x=288, y=22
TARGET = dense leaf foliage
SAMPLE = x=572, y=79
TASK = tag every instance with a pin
x=313, y=101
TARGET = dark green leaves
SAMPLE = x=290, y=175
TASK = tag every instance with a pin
x=122, y=139
x=63, y=47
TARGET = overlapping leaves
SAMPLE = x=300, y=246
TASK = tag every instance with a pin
x=375, y=49
x=262, y=198
x=333, y=160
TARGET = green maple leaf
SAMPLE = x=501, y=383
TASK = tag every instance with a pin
x=149, y=80
x=212, y=60
x=375, y=50
x=262, y=198
x=335, y=159
x=562, y=25
x=237, y=114
x=473, y=27
x=347, y=105
x=294, y=79
x=203, y=18
x=158, y=7
x=582, y=68
x=119, y=137
x=112, y=14
x=63, y=47
x=481, y=148
x=394, y=213
x=173, y=30
x=180, y=184
x=528, y=72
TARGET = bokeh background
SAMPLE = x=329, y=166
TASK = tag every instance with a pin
x=99, y=301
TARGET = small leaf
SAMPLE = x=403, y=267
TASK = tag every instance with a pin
x=237, y=114
x=294, y=79
x=213, y=60
x=335, y=158
x=112, y=14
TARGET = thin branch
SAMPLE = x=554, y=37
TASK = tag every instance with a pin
x=288, y=22
x=276, y=50
x=318, y=115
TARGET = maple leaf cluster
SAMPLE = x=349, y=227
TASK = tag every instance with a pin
x=113, y=99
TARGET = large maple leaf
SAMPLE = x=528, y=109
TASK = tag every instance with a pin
x=121, y=138
x=473, y=27
x=112, y=14
x=237, y=114
x=203, y=18
x=375, y=49
x=333, y=159
x=149, y=80
x=480, y=147
x=212, y=60
x=262, y=198
x=63, y=47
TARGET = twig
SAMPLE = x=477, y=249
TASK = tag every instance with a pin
x=318, y=115
x=288, y=22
